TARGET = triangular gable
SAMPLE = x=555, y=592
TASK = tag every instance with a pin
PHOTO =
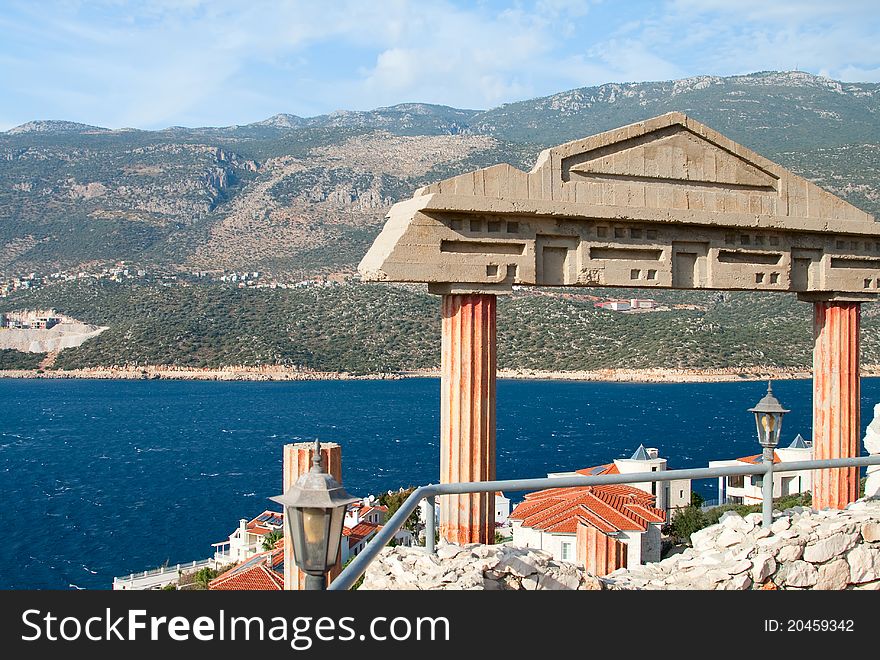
x=667, y=162
x=663, y=203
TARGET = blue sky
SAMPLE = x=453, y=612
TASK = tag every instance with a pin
x=154, y=64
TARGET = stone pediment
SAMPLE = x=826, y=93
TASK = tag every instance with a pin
x=674, y=155
x=667, y=202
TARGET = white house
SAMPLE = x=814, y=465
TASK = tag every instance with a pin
x=747, y=489
x=247, y=539
x=669, y=495
x=602, y=528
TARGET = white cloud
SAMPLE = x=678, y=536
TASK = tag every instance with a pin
x=152, y=64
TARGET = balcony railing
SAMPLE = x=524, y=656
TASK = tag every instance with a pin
x=359, y=564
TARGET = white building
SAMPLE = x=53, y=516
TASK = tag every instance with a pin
x=669, y=495
x=247, y=539
x=746, y=489
x=601, y=528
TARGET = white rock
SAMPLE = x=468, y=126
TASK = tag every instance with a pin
x=737, y=583
x=780, y=525
x=868, y=586
x=826, y=548
x=738, y=567
x=705, y=538
x=833, y=576
x=789, y=553
x=530, y=583
x=797, y=574
x=864, y=564
x=872, y=484
x=449, y=551
x=729, y=537
x=871, y=532
x=763, y=566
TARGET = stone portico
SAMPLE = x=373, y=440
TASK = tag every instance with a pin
x=663, y=203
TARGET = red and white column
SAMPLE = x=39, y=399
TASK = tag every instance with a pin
x=836, y=400
x=467, y=415
x=296, y=462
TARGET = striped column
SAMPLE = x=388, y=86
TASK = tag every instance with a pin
x=467, y=415
x=597, y=552
x=836, y=400
x=297, y=461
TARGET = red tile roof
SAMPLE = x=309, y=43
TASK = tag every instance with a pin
x=609, y=509
x=359, y=532
x=262, y=572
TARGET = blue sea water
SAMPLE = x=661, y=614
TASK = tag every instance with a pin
x=102, y=478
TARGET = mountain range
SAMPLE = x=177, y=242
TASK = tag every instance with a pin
x=294, y=196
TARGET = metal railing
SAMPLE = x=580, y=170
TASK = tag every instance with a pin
x=157, y=575
x=359, y=564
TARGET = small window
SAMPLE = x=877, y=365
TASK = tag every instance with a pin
x=759, y=240
x=476, y=225
x=840, y=245
x=868, y=283
x=492, y=270
x=774, y=240
x=566, y=551
x=774, y=278
x=494, y=226
x=745, y=239
x=730, y=239
x=652, y=274
x=853, y=245
x=619, y=232
x=512, y=227
x=457, y=224
x=634, y=274
x=651, y=234
x=635, y=233
x=601, y=232
x=759, y=277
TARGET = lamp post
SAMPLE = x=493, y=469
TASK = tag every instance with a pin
x=768, y=418
x=314, y=511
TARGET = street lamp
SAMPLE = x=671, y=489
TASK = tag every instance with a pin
x=768, y=418
x=314, y=512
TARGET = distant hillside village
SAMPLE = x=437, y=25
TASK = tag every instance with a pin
x=599, y=528
x=39, y=319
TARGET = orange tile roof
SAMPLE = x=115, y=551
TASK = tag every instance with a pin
x=758, y=458
x=262, y=572
x=610, y=509
x=359, y=532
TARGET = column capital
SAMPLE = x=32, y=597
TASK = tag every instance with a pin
x=836, y=296
x=455, y=289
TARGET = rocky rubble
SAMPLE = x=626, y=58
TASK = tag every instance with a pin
x=474, y=566
x=803, y=549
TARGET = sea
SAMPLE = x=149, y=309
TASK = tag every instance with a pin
x=101, y=478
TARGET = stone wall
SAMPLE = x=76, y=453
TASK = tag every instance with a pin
x=474, y=566
x=803, y=550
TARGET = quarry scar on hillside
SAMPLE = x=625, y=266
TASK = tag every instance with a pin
x=663, y=203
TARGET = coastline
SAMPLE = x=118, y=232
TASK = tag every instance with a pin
x=276, y=373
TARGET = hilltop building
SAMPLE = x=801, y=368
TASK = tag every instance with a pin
x=747, y=489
